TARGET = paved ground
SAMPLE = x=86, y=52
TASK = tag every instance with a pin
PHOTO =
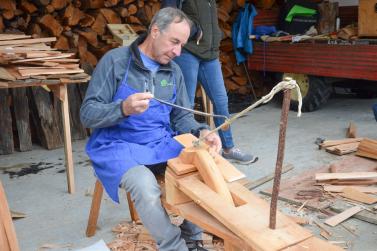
x=55, y=217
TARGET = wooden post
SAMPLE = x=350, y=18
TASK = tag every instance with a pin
x=8, y=239
x=67, y=139
x=280, y=157
x=94, y=210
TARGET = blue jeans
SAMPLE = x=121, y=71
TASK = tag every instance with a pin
x=209, y=74
x=145, y=192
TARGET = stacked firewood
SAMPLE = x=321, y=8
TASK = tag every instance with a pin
x=80, y=27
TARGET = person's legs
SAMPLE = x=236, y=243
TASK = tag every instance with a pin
x=189, y=65
x=145, y=193
x=211, y=77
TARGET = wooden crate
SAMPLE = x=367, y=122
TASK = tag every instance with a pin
x=368, y=18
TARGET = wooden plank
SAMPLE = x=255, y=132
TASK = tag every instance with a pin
x=6, y=135
x=345, y=176
x=65, y=55
x=36, y=72
x=28, y=41
x=328, y=143
x=248, y=221
x=314, y=244
x=21, y=114
x=365, y=215
x=13, y=36
x=229, y=172
x=211, y=174
x=4, y=74
x=343, y=148
x=356, y=195
x=67, y=141
x=253, y=184
x=203, y=219
x=351, y=130
x=7, y=223
x=338, y=189
x=335, y=220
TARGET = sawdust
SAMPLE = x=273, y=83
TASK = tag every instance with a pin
x=133, y=236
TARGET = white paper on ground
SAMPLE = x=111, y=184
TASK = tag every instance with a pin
x=98, y=246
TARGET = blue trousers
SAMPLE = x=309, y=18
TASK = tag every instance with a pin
x=145, y=192
x=210, y=76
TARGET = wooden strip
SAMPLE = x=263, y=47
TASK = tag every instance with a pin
x=28, y=41
x=351, y=131
x=253, y=184
x=356, y=195
x=335, y=220
x=65, y=55
x=4, y=74
x=12, y=36
x=338, y=189
x=7, y=221
x=328, y=143
x=345, y=176
x=35, y=72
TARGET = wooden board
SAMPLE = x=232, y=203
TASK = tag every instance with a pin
x=8, y=239
x=345, y=176
x=367, y=23
x=356, y=195
x=336, y=219
x=338, y=189
x=249, y=219
x=229, y=172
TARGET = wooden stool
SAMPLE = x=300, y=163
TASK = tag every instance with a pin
x=8, y=239
x=96, y=204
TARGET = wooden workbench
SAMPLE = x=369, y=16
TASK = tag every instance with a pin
x=59, y=88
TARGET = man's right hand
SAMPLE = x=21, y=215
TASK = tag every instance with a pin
x=136, y=103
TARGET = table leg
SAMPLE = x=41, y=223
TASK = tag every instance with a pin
x=67, y=139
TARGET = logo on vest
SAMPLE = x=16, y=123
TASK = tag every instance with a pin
x=165, y=83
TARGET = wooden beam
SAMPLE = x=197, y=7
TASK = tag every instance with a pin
x=335, y=220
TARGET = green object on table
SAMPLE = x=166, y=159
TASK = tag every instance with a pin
x=298, y=10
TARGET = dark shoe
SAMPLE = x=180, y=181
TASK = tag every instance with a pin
x=195, y=245
x=238, y=156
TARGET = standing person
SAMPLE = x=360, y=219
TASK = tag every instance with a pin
x=133, y=133
x=199, y=61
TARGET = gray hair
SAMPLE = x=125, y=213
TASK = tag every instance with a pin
x=166, y=16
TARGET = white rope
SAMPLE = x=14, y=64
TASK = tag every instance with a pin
x=287, y=83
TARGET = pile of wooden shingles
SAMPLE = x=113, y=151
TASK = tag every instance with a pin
x=352, y=186
x=23, y=57
x=24, y=62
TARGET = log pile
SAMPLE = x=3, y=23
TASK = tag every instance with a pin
x=80, y=26
x=25, y=60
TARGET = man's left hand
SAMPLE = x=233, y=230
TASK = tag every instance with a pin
x=213, y=140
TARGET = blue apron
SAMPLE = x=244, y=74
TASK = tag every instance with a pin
x=142, y=139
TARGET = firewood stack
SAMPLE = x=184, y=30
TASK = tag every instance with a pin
x=80, y=26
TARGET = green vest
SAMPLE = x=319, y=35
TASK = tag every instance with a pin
x=204, y=14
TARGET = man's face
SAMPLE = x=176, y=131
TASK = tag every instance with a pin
x=168, y=43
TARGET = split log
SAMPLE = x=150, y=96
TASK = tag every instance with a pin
x=21, y=115
x=72, y=15
x=77, y=129
x=43, y=117
x=59, y=4
x=99, y=24
x=111, y=16
x=28, y=7
x=6, y=135
x=53, y=26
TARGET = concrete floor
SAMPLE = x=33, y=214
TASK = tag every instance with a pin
x=58, y=218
